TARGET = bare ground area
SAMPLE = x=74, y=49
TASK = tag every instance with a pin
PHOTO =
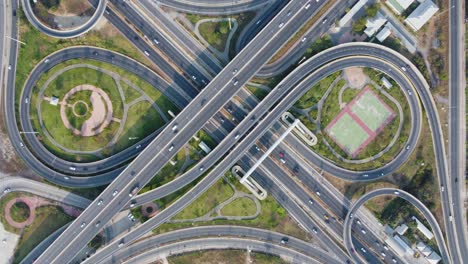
x=71, y=8
x=355, y=77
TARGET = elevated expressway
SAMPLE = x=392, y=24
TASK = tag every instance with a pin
x=181, y=129
x=409, y=198
x=213, y=7
x=69, y=33
x=263, y=125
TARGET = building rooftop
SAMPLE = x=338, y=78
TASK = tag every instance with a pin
x=421, y=15
x=384, y=33
x=374, y=24
x=347, y=17
x=388, y=85
x=401, y=229
x=406, y=247
x=423, y=229
x=398, y=6
x=433, y=258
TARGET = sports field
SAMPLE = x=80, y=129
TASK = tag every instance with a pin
x=359, y=122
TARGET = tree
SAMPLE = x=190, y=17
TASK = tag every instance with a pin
x=371, y=11
x=359, y=25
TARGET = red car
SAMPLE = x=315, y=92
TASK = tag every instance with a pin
x=281, y=155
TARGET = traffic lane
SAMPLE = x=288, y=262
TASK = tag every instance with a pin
x=154, y=157
x=216, y=231
x=327, y=221
x=214, y=7
x=67, y=33
x=409, y=198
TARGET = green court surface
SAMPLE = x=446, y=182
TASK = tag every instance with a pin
x=347, y=133
x=372, y=111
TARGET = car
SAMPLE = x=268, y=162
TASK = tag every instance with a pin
x=202, y=168
x=351, y=216
x=358, y=222
x=385, y=247
x=131, y=217
x=235, y=71
x=314, y=229
x=281, y=155
x=132, y=204
x=121, y=244
x=324, y=21
x=289, y=13
x=363, y=231
x=9, y=67
x=407, y=147
x=284, y=240
x=307, y=6
x=257, y=148
x=73, y=168
x=408, y=91
x=237, y=135
x=296, y=169
x=156, y=41
x=442, y=188
x=317, y=192
x=46, y=61
x=26, y=101
x=403, y=68
x=281, y=25
x=394, y=260
x=229, y=109
x=363, y=250
x=221, y=119
x=7, y=190
x=450, y=218
x=303, y=39
x=383, y=254
x=258, y=22
x=100, y=202
x=283, y=161
x=146, y=53
x=235, y=81
x=326, y=217
x=21, y=144
x=95, y=53
x=365, y=175
x=83, y=224
x=115, y=192
x=174, y=127
x=311, y=201
x=396, y=192
x=66, y=177
x=98, y=223
x=138, y=147
x=171, y=147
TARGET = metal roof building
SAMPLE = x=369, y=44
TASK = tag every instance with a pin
x=346, y=18
x=421, y=15
x=423, y=229
x=384, y=33
x=374, y=24
x=398, y=6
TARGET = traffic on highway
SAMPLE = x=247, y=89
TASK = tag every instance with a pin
x=139, y=119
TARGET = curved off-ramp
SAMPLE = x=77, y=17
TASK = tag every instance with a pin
x=409, y=198
x=64, y=34
x=213, y=7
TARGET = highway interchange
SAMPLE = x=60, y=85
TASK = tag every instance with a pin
x=249, y=61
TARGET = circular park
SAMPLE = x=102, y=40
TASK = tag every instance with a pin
x=360, y=116
x=84, y=110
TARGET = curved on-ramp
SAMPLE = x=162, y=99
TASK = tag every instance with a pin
x=213, y=7
x=70, y=33
x=404, y=195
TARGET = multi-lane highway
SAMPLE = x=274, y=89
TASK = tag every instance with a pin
x=408, y=197
x=179, y=131
x=458, y=240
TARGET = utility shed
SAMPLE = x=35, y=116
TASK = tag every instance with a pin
x=204, y=147
x=421, y=15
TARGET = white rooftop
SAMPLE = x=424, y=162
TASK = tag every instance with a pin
x=433, y=258
x=398, y=6
x=401, y=229
x=423, y=229
x=384, y=33
x=375, y=23
x=406, y=247
x=421, y=15
x=347, y=17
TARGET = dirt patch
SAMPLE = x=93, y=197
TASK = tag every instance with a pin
x=71, y=8
x=355, y=77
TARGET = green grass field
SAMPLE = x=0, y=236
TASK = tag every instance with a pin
x=348, y=133
x=239, y=207
x=19, y=212
x=371, y=110
x=215, y=33
x=130, y=94
x=224, y=256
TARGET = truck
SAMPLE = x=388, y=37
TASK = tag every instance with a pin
x=134, y=191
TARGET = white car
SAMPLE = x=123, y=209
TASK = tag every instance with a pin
x=83, y=224
x=114, y=193
x=363, y=250
x=9, y=67
x=100, y=202
x=363, y=231
x=73, y=168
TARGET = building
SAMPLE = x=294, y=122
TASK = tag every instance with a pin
x=401, y=229
x=424, y=249
x=374, y=24
x=423, y=229
x=391, y=242
x=408, y=250
x=433, y=258
x=54, y=100
x=421, y=15
x=389, y=85
x=399, y=6
x=347, y=17
x=384, y=33
x=204, y=147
